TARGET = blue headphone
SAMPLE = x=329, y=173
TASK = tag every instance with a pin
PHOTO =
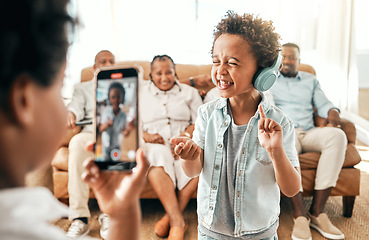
x=263, y=79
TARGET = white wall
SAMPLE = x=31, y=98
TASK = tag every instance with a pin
x=363, y=68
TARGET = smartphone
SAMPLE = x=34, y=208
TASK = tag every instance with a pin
x=116, y=116
x=83, y=122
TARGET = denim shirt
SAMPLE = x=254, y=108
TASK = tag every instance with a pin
x=257, y=195
x=297, y=97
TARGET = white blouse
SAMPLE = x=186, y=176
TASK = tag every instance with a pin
x=168, y=113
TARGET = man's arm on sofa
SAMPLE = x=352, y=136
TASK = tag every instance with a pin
x=202, y=81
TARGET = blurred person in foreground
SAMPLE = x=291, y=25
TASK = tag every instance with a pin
x=33, y=47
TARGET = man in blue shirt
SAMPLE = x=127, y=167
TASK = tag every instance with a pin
x=297, y=93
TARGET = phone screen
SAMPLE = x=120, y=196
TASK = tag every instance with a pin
x=116, y=119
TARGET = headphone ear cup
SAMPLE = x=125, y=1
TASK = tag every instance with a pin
x=265, y=78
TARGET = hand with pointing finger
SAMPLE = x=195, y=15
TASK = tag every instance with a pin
x=270, y=133
x=186, y=148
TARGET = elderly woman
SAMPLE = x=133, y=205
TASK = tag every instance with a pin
x=169, y=109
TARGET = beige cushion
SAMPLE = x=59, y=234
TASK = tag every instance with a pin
x=60, y=179
x=184, y=71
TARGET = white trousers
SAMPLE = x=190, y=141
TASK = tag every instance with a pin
x=78, y=190
x=332, y=144
x=160, y=155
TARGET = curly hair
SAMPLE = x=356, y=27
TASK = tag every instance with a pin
x=258, y=33
x=33, y=41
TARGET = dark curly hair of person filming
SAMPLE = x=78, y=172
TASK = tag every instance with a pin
x=33, y=41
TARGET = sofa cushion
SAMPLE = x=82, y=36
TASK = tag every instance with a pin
x=348, y=183
x=183, y=70
x=60, y=179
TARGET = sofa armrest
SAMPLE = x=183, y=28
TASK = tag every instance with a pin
x=350, y=130
x=347, y=126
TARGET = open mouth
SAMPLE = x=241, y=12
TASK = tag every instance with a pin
x=222, y=84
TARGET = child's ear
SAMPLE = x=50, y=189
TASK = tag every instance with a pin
x=21, y=100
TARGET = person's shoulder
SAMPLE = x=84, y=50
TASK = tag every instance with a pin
x=35, y=204
x=87, y=85
x=107, y=110
x=211, y=95
x=306, y=76
x=207, y=110
x=211, y=106
x=145, y=83
x=279, y=116
x=144, y=88
x=187, y=88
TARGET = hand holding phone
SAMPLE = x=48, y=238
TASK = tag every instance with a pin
x=71, y=120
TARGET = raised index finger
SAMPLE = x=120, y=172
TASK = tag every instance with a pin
x=177, y=140
x=262, y=114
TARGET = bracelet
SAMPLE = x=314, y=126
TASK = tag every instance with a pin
x=187, y=134
x=192, y=82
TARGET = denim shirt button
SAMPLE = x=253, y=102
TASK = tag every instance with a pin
x=211, y=208
x=220, y=145
x=225, y=123
x=214, y=187
x=216, y=167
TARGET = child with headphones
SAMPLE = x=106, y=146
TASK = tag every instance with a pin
x=242, y=146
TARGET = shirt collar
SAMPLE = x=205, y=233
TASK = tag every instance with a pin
x=265, y=104
x=174, y=90
x=298, y=76
x=222, y=104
